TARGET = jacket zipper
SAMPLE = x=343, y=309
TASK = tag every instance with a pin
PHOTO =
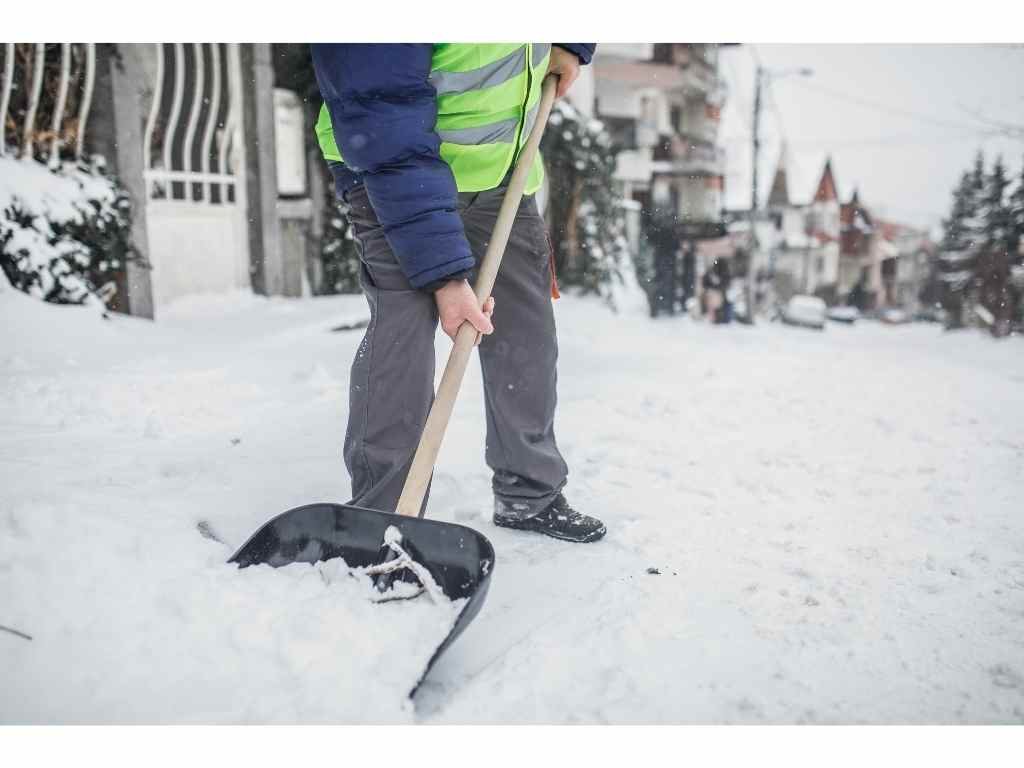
x=526, y=103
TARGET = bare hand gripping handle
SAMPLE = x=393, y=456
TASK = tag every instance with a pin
x=437, y=420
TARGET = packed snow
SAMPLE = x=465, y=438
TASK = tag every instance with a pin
x=803, y=526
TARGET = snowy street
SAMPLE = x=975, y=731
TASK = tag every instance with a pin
x=835, y=520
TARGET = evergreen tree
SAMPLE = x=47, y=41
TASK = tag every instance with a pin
x=586, y=224
x=958, y=250
x=1017, y=214
x=952, y=265
x=1016, y=256
x=992, y=262
x=979, y=266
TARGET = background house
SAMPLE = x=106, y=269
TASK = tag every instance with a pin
x=839, y=251
x=662, y=103
x=905, y=272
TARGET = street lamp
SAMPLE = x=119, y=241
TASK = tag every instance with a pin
x=763, y=76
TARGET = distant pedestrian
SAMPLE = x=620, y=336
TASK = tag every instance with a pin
x=714, y=293
x=721, y=266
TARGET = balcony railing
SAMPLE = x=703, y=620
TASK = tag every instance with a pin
x=676, y=155
x=648, y=74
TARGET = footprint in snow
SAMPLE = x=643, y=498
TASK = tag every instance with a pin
x=1004, y=676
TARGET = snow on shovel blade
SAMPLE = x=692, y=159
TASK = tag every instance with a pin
x=459, y=559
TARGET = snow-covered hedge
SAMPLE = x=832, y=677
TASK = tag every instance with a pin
x=65, y=234
x=338, y=251
x=585, y=219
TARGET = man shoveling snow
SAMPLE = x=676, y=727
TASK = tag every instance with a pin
x=429, y=134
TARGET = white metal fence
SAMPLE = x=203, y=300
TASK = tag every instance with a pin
x=194, y=170
x=43, y=80
x=192, y=142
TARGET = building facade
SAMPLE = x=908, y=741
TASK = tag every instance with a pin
x=799, y=243
x=838, y=251
x=662, y=103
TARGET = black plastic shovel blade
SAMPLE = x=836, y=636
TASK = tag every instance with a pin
x=460, y=559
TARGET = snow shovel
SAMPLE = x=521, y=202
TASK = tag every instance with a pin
x=444, y=560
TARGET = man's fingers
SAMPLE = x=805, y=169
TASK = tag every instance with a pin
x=482, y=322
x=565, y=80
x=486, y=312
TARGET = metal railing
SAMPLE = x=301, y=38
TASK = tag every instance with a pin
x=49, y=76
x=188, y=149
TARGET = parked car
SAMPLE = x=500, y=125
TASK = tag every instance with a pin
x=894, y=316
x=848, y=315
x=805, y=311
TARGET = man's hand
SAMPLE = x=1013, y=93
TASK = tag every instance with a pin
x=566, y=65
x=456, y=303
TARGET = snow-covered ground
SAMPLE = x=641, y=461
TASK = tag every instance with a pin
x=837, y=522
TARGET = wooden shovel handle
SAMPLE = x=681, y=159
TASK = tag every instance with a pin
x=423, y=460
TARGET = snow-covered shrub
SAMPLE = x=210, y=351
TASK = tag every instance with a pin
x=586, y=222
x=65, y=235
x=338, y=250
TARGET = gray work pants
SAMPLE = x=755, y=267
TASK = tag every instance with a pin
x=392, y=382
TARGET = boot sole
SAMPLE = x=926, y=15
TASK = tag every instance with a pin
x=525, y=525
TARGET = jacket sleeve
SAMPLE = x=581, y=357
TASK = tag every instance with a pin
x=383, y=110
x=585, y=51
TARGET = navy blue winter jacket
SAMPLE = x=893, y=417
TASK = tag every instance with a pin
x=383, y=110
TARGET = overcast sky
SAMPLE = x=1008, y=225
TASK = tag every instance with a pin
x=901, y=122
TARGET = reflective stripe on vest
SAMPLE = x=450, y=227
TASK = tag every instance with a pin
x=487, y=76
x=487, y=99
x=540, y=50
x=502, y=132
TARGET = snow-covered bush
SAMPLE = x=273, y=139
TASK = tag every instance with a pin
x=586, y=222
x=65, y=235
x=339, y=252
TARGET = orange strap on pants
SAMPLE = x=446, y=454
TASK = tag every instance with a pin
x=555, y=294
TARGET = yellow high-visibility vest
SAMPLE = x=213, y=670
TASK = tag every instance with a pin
x=487, y=99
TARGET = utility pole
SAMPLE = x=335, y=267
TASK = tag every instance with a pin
x=760, y=77
x=751, y=277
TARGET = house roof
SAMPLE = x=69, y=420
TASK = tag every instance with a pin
x=855, y=215
x=890, y=230
x=894, y=230
x=779, y=196
x=826, y=191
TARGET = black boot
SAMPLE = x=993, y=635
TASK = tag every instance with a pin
x=557, y=520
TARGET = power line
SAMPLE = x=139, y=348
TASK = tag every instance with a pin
x=893, y=140
x=892, y=110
